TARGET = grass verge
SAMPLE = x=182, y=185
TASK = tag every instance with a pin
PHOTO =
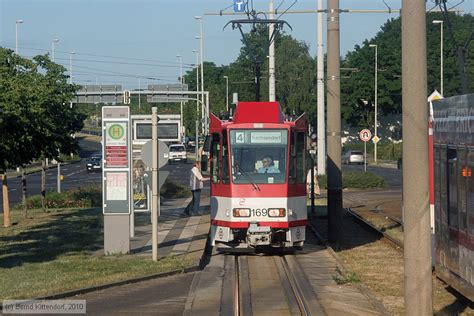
x=357, y=180
x=55, y=252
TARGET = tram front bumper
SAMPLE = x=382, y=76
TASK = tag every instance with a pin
x=259, y=235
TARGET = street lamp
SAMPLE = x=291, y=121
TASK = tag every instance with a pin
x=199, y=18
x=440, y=22
x=16, y=35
x=226, y=92
x=180, y=58
x=376, y=67
x=55, y=40
x=197, y=79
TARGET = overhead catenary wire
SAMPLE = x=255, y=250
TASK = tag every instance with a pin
x=158, y=62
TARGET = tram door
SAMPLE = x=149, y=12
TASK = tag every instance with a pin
x=453, y=211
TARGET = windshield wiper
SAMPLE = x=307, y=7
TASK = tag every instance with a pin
x=254, y=184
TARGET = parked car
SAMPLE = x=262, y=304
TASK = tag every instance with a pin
x=353, y=156
x=94, y=163
x=177, y=152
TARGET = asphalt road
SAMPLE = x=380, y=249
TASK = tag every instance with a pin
x=391, y=175
x=75, y=175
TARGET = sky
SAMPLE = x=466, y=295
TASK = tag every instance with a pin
x=132, y=42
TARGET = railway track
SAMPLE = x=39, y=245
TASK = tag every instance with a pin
x=287, y=287
x=384, y=236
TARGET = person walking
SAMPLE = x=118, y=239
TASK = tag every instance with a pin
x=196, y=183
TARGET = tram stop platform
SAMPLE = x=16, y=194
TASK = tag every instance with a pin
x=177, y=234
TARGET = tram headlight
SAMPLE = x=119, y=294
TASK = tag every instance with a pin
x=276, y=212
x=241, y=212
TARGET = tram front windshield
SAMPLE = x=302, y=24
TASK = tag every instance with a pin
x=258, y=156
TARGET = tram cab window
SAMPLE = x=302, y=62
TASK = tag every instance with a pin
x=215, y=161
x=470, y=193
x=258, y=156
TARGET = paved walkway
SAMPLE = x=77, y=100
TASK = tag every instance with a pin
x=177, y=235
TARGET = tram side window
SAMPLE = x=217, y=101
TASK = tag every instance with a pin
x=215, y=154
x=437, y=167
x=225, y=159
x=443, y=176
x=453, y=219
x=470, y=193
x=462, y=186
x=300, y=158
x=292, y=171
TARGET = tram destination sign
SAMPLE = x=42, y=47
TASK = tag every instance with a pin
x=259, y=137
x=453, y=118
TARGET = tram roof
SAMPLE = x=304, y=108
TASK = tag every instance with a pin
x=258, y=112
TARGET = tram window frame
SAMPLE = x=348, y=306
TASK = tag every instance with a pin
x=470, y=192
x=215, y=158
x=462, y=188
x=225, y=159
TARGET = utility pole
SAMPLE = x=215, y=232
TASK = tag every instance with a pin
x=154, y=187
x=334, y=125
x=416, y=213
x=321, y=127
x=271, y=58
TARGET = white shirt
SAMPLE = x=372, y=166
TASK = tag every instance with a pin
x=269, y=169
x=196, y=178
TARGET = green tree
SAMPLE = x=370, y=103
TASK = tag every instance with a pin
x=359, y=84
x=35, y=118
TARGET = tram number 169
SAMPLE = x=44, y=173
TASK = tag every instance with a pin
x=258, y=212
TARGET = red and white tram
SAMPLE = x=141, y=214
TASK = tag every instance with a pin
x=454, y=191
x=258, y=185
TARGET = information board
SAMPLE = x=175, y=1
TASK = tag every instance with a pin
x=116, y=174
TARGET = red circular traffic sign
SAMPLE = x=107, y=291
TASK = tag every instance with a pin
x=365, y=135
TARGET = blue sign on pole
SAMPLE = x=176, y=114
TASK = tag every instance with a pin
x=239, y=6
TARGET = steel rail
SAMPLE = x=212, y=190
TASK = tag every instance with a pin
x=236, y=287
x=297, y=292
x=390, y=240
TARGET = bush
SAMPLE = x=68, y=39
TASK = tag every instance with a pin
x=385, y=151
x=356, y=180
x=90, y=196
x=173, y=190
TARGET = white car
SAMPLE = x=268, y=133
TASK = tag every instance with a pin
x=177, y=152
x=353, y=156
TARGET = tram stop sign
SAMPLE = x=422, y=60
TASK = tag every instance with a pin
x=365, y=135
x=163, y=151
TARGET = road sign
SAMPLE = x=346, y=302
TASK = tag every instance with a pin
x=163, y=151
x=239, y=6
x=375, y=139
x=365, y=135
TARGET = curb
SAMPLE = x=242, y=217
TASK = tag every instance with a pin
x=362, y=287
x=15, y=175
x=114, y=284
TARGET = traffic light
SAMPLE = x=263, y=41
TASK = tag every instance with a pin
x=126, y=97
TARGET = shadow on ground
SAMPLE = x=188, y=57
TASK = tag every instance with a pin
x=67, y=233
